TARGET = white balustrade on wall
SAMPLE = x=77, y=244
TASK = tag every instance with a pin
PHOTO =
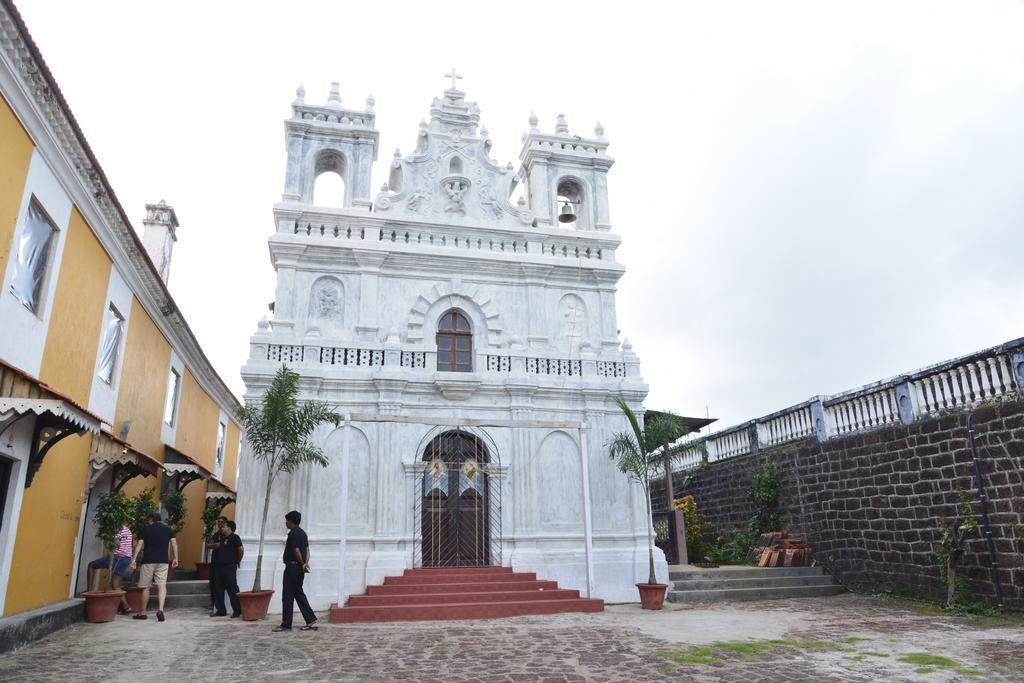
x=551, y=246
x=962, y=383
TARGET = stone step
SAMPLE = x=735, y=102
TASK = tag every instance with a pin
x=452, y=598
x=183, y=575
x=457, y=571
x=180, y=601
x=459, y=576
x=463, y=587
x=458, y=611
x=746, y=594
x=192, y=587
x=755, y=582
x=742, y=572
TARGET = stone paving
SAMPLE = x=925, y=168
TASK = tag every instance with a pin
x=842, y=638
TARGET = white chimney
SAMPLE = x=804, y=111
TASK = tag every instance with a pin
x=159, y=236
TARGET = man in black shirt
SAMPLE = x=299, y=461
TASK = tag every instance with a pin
x=153, y=543
x=226, y=559
x=296, y=565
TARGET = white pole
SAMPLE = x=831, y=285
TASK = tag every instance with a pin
x=588, y=535
x=343, y=518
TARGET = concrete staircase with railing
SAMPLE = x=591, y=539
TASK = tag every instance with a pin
x=693, y=585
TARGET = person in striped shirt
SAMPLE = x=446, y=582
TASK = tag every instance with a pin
x=122, y=558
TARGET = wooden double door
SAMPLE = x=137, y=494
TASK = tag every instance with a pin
x=455, y=522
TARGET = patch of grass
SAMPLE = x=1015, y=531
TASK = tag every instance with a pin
x=698, y=655
x=931, y=662
x=817, y=645
x=857, y=658
x=854, y=639
x=874, y=654
x=923, y=670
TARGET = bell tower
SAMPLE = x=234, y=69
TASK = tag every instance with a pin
x=330, y=138
x=566, y=166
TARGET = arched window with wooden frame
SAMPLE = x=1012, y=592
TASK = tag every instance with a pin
x=454, y=343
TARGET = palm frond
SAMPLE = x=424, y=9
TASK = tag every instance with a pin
x=638, y=432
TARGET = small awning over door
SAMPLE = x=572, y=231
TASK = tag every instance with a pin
x=181, y=469
x=127, y=462
x=218, y=493
x=55, y=416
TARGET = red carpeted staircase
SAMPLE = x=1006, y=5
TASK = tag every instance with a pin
x=461, y=593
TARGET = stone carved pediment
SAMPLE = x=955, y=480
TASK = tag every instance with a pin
x=450, y=176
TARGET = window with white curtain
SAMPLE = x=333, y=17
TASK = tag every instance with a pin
x=173, y=389
x=113, y=328
x=32, y=258
x=221, y=435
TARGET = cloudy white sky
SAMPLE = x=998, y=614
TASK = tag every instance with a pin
x=812, y=196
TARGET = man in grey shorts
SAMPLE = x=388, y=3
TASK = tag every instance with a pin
x=153, y=543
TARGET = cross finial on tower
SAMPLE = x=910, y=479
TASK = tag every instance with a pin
x=453, y=75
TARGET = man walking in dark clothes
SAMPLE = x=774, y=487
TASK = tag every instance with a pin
x=226, y=560
x=296, y=565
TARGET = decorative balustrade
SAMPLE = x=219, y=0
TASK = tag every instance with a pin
x=363, y=358
x=993, y=374
x=546, y=247
x=423, y=360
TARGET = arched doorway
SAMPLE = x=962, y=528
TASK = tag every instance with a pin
x=455, y=502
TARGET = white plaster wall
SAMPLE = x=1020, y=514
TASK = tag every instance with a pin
x=169, y=432
x=23, y=333
x=103, y=396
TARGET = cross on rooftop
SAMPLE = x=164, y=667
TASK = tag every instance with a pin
x=453, y=75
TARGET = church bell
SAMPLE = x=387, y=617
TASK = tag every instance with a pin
x=566, y=215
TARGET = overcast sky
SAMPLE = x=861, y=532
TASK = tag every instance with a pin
x=812, y=196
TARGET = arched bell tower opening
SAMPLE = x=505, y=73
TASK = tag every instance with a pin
x=330, y=180
x=458, y=503
x=571, y=207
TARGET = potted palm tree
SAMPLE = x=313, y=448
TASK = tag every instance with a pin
x=277, y=430
x=211, y=513
x=631, y=452
x=112, y=513
x=173, y=502
x=142, y=505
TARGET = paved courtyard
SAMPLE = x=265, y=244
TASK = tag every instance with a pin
x=842, y=638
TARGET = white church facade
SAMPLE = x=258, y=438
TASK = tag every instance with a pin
x=469, y=335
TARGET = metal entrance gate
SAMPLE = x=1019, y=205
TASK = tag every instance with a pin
x=457, y=504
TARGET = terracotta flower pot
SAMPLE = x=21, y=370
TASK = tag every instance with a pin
x=101, y=607
x=203, y=571
x=652, y=595
x=133, y=594
x=254, y=604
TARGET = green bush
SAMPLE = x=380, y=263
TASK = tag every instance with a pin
x=698, y=528
x=143, y=505
x=174, y=504
x=113, y=511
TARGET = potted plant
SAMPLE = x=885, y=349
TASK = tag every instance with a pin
x=173, y=502
x=277, y=430
x=210, y=516
x=631, y=452
x=112, y=513
x=141, y=506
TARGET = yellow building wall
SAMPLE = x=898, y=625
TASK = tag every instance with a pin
x=79, y=305
x=140, y=399
x=44, y=545
x=15, y=157
x=196, y=437
x=231, y=455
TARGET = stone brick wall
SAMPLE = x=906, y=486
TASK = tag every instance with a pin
x=870, y=503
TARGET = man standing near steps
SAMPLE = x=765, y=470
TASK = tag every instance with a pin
x=226, y=559
x=296, y=565
x=153, y=543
